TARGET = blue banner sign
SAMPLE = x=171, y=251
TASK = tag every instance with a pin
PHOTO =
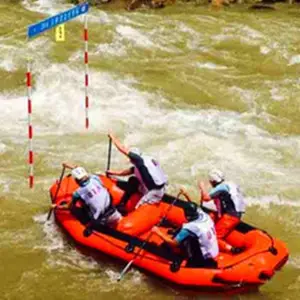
x=38, y=28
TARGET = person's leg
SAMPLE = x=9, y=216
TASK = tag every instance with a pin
x=130, y=187
x=114, y=219
x=192, y=252
x=223, y=227
x=81, y=213
x=210, y=263
x=151, y=197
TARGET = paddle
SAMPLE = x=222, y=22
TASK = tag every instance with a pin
x=146, y=240
x=109, y=155
x=57, y=190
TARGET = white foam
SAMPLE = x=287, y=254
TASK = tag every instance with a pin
x=3, y=148
x=10, y=57
x=250, y=32
x=6, y=185
x=55, y=239
x=210, y=66
x=295, y=262
x=58, y=108
x=113, y=275
x=7, y=65
x=116, y=48
x=186, y=29
x=135, y=36
x=264, y=50
x=275, y=94
x=103, y=17
x=50, y=7
x=294, y=60
x=268, y=200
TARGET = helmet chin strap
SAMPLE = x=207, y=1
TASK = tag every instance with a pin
x=82, y=181
x=214, y=183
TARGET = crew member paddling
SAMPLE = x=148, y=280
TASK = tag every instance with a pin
x=95, y=198
x=149, y=176
x=230, y=205
x=197, y=238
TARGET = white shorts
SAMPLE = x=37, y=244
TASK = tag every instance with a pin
x=151, y=197
x=114, y=218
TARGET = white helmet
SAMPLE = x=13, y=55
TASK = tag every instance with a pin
x=136, y=151
x=79, y=173
x=216, y=175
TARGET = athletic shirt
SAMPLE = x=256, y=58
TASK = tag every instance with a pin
x=95, y=196
x=204, y=229
x=230, y=197
x=148, y=171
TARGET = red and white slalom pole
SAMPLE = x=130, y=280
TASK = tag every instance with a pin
x=30, y=128
x=86, y=63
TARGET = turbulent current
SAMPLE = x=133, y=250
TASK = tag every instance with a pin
x=194, y=87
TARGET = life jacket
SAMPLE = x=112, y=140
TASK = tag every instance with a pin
x=236, y=197
x=95, y=196
x=155, y=171
x=204, y=229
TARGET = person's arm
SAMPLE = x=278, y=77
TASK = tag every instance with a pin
x=69, y=166
x=165, y=237
x=75, y=197
x=118, y=144
x=120, y=173
x=68, y=205
x=204, y=195
x=64, y=206
x=215, y=192
x=185, y=194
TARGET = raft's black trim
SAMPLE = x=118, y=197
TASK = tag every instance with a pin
x=282, y=263
x=179, y=203
x=233, y=283
x=132, y=241
x=244, y=228
x=136, y=242
x=129, y=248
x=273, y=250
x=264, y=276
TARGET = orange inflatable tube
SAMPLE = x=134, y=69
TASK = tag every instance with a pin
x=263, y=255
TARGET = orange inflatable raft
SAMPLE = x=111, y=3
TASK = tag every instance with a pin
x=263, y=255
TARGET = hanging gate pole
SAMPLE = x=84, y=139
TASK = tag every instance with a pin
x=35, y=30
x=86, y=63
x=30, y=128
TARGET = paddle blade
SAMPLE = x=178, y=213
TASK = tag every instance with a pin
x=49, y=214
x=125, y=270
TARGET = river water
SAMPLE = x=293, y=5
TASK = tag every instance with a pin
x=195, y=87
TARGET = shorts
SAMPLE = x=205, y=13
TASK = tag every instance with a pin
x=151, y=197
x=113, y=218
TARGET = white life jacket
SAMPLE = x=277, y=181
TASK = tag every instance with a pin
x=155, y=171
x=236, y=196
x=204, y=229
x=95, y=196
